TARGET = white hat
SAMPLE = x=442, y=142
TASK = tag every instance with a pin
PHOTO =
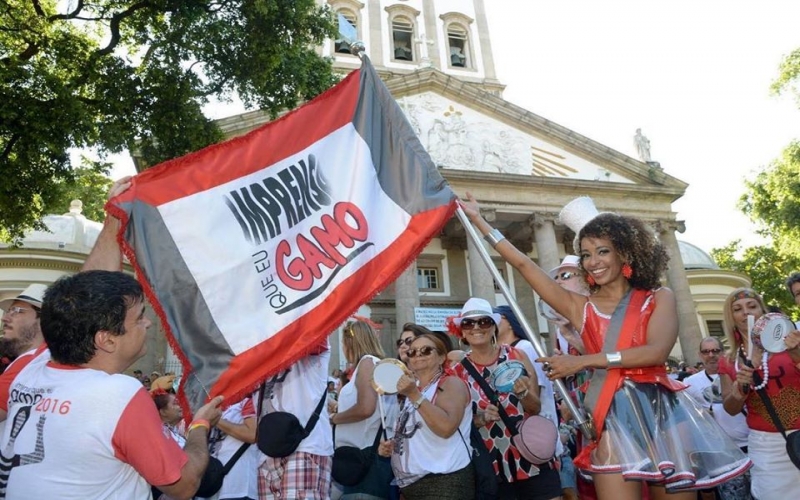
x=569, y=261
x=33, y=295
x=477, y=308
x=577, y=214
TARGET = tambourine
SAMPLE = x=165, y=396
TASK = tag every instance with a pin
x=506, y=374
x=770, y=330
x=549, y=313
x=386, y=375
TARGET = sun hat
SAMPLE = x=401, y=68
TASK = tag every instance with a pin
x=33, y=295
x=577, y=214
x=569, y=261
x=476, y=308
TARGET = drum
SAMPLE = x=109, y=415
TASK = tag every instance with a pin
x=506, y=374
x=386, y=375
x=770, y=329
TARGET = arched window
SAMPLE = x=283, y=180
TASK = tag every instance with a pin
x=402, y=39
x=458, y=46
x=459, y=51
x=341, y=46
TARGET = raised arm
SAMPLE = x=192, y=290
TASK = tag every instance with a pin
x=567, y=303
x=106, y=254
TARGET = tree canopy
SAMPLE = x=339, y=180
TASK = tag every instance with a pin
x=114, y=75
x=767, y=270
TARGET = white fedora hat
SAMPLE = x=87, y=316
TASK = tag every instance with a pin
x=33, y=295
x=572, y=261
x=477, y=308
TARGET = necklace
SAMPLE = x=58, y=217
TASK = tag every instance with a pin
x=764, y=367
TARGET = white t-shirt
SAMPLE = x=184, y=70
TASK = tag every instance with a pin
x=242, y=479
x=546, y=392
x=706, y=392
x=297, y=390
x=83, y=433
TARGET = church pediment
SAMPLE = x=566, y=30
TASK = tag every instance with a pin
x=466, y=128
x=460, y=138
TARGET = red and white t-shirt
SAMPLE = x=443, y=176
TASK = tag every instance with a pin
x=84, y=433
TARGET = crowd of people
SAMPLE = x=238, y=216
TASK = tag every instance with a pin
x=79, y=427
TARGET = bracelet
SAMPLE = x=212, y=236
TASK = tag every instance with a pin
x=614, y=360
x=418, y=402
x=200, y=422
x=494, y=237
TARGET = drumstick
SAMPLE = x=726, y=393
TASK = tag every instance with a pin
x=751, y=320
x=383, y=415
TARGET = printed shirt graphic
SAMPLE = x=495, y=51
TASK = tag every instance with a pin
x=82, y=433
x=253, y=250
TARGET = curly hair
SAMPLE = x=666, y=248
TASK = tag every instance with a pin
x=635, y=243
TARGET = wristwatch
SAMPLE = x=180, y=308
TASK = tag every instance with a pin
x=418, y=402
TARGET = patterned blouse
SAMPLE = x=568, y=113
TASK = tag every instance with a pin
x=508, y=463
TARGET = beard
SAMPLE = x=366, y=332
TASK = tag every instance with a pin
x=14, y=347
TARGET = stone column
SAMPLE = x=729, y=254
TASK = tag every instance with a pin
x=406, y=295
x=481, y=281
x=375, y=45
x=546, y=244
x=547, y=251
x=689, y=332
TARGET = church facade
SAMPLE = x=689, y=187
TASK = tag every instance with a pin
x=436, y=59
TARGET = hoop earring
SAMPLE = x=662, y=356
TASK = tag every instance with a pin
x=627, y=271
x=494, y=340
x=590, y=280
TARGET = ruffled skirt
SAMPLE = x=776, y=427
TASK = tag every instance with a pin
x=655, y=435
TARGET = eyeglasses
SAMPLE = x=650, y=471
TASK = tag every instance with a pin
x=422, y=351
x=13, y=311
x=710, y=351
x=469, y=324
x=565, y=275
x=407, y=341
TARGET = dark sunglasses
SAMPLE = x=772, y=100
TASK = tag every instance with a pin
x=407, y=341
x=469, y=324
x=710, y=351
x=422, y=351
x=565, y=275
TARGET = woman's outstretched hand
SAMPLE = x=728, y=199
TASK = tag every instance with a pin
x=470, y=207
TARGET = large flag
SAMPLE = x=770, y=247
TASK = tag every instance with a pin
x=252, y=251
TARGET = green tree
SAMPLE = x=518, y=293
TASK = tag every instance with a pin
x=114, y=74
x=90, y=184
x=773, y=201
x=767, y=269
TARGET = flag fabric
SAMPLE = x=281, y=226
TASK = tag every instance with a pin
x=252, y=251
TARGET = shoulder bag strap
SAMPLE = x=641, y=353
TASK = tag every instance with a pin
x=491, y=395
x=236, y=456
x=315, y=416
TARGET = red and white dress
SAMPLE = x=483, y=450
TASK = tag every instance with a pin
x=651, y=430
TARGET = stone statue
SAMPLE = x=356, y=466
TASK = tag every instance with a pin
x=642, y=145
